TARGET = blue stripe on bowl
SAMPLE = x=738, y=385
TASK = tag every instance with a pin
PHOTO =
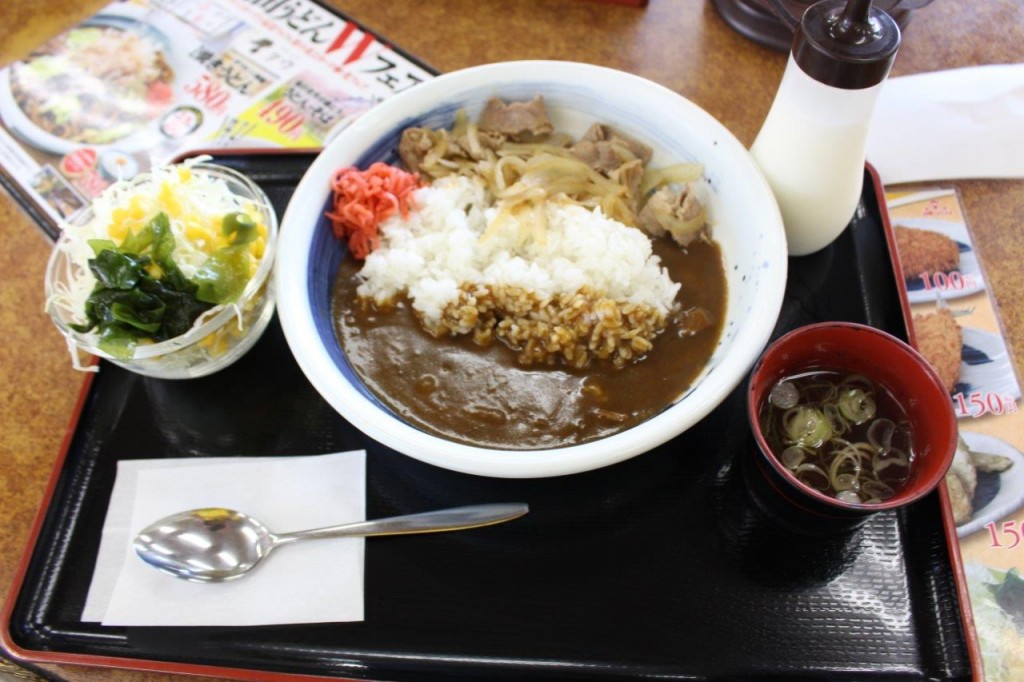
x=326, y=254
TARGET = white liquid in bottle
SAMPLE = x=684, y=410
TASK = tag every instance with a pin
x=811, y=150
x=811, y=146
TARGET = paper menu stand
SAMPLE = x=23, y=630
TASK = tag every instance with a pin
x=230, y=74
x=952, y=308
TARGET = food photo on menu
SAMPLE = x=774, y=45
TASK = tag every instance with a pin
x=142, y=83
x=956, y=329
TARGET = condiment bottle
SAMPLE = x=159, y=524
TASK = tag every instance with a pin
x=811, y=145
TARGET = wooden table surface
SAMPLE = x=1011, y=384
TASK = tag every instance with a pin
x=682, y=44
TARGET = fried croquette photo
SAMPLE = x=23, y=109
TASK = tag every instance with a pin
x=940, y=340
x=922, y=252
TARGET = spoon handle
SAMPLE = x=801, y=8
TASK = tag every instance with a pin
x=459, y=518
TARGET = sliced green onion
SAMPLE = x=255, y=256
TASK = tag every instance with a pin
x=865, y=451
x=846, y=462
x=835, y=419
x=856, y=405
x=793, y=456
x=857, y=381
x=880, y=433
x=877, y=490
x=830, y=436
x=820, y=393
x=893, y=458
x=784, y=395
x=846, y=482
x=812, y=475
x=806, y=426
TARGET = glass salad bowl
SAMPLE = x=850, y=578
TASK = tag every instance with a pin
x=166, y=275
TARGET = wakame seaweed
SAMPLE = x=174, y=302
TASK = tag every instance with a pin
x=133, y=300
x=226, y=272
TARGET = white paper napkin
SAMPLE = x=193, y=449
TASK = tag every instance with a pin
x=947, y=125
x=308, y=582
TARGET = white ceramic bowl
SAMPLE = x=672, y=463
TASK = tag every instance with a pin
x=746, y=224
x=220, y=337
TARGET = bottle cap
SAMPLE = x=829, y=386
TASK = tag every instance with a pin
x=846, y=43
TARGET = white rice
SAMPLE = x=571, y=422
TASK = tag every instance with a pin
x=440, y=249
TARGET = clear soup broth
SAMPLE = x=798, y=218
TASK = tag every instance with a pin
x=840, y=434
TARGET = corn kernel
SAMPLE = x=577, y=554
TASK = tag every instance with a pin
x=223, y=240
x=136, y=209
x=193, y=232
x=258, y=247
x=118, y=230
x=198, y=235
x=221, y=346
x=154, y=271
x=170, y=202
x=184, y=173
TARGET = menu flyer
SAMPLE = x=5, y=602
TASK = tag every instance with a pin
x=957, y=329
x=143, y=81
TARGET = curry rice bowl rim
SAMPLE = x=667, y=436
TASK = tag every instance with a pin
x=664, y=111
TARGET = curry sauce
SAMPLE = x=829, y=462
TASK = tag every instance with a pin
x=481, y=396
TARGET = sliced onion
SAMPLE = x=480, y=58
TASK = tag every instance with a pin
x=880, y=433
x=877, y=490
x=812, y=476
x=836, y=470
x=820, y=393
x=806, y=426
x=857, y=380
x=856, y=405
x=793, y=456
x=864, y=451
x=848, y=496
x=784, y=395
x=893, y=457
x=901, y=438
x=846, y=482
x=897, y=455
x=835, y=419
x=844, y=456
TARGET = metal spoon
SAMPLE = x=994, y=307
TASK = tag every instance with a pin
x=216, y=544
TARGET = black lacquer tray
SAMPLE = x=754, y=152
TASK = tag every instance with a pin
x=659, y=567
